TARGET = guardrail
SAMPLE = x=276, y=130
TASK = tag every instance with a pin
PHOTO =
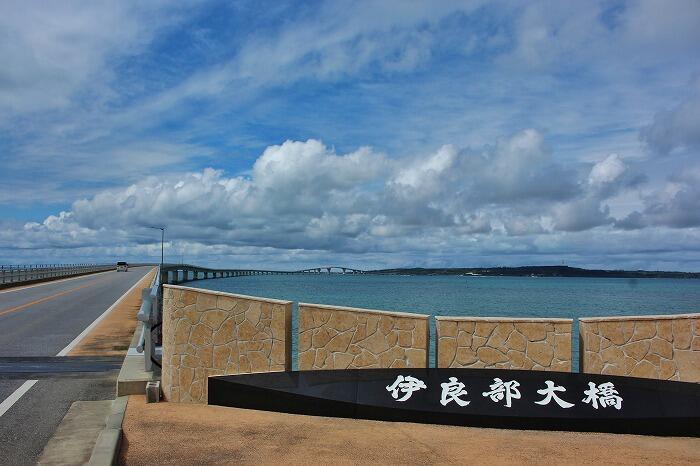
x=150, y=317
x=16, y=274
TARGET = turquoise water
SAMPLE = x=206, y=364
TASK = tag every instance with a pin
x=474, y=296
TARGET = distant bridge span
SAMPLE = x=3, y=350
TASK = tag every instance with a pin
x=332, y=269
x=179, y=273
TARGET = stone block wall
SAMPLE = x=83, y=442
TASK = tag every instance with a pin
x=657, y=347
x=209, y=333
x=501, y=343
x=332, y=337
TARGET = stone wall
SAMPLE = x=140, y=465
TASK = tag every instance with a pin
x=209, y=333
x=332, y=337
x=536, y=344
x=657, y=347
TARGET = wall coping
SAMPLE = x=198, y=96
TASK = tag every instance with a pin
x=368, y=311
x=232, y=295
x=506, y=319
x=647, y=317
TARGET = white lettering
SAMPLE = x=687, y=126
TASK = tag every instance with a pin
x=406, y=385
x=451, y=391
x=550, y=394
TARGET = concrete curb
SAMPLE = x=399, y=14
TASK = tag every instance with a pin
x=132, y=377
x=106, y=451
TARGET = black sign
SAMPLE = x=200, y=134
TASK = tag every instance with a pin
x=473, y=397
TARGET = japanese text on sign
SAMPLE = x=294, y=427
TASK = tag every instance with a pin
x=597, y=396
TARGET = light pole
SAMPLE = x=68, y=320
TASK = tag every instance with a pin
x=162, y=240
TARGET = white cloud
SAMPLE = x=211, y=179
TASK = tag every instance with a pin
x=581, y=214
x=606, y=171
x=303, y=196
x=571, y=35
x=54, y=52
x=515, y=170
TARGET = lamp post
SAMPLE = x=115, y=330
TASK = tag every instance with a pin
x=162, y=240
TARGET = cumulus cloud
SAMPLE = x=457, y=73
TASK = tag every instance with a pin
x=606, y=171
x=515, y=170
x=582, y=214
x=305, y=196
x=674, y=204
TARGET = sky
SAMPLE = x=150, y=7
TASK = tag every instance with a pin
x=368, y=134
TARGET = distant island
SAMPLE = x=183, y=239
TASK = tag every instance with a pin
x=538, y=271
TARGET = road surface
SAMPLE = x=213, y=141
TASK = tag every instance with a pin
x=42, y=320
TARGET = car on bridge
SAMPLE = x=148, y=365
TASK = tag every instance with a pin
x=122, y=266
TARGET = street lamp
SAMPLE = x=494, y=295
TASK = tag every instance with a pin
x=162, y=239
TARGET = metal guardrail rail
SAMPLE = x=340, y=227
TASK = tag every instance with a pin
x=150, y=316
x=16, y=274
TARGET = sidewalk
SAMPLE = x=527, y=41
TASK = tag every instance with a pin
x=174, y=433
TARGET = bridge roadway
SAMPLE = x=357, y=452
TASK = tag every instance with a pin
x=41, y=320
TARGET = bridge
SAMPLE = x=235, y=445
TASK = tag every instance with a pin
x=332, y=269
x=180, y=273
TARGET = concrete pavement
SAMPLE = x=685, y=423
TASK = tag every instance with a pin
x=41, y=321
x=182, y=433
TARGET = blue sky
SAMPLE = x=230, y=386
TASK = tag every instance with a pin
x=373, y=134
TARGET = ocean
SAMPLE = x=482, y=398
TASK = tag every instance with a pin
x=473, y=296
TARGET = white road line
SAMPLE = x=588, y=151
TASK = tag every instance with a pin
x=24, y=388
x=50, y=282
x=16, y=395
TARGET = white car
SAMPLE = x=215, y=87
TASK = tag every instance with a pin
x=122, y=266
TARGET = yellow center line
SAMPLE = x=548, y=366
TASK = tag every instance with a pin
x=47, y=298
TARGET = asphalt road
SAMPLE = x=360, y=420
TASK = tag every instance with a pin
x=41, y=321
